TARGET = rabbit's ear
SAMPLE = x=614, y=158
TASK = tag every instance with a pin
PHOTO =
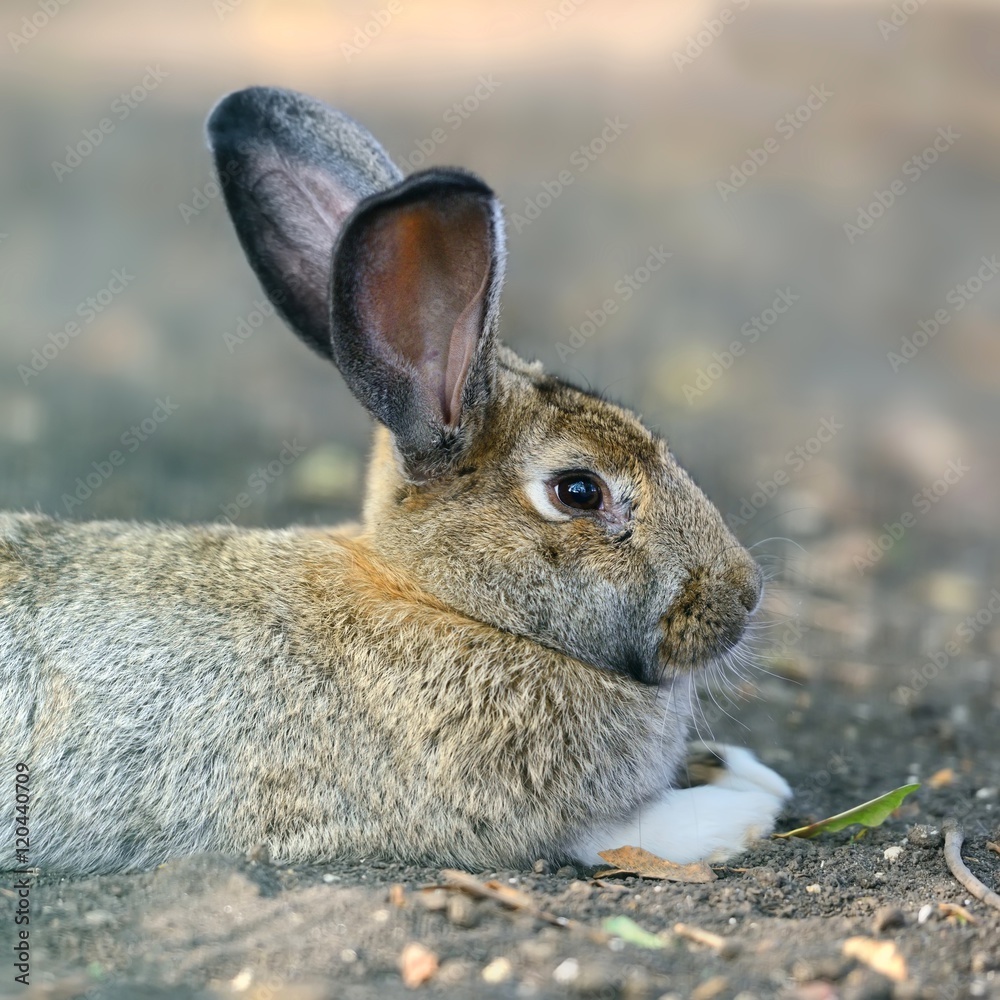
x=416, y=297
x=292, y=170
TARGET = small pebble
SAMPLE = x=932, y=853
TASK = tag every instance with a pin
x=595, y=979
x=986, y=793
x=831, y=968
x=814, y=888
x=542, y=867
x=497, y=971
x=568, y=871
x=983, y=962
x=892, y=854
x=924, y=914
x=566, y=971
x=462, y=911
x=435, y=900
x=417, y=964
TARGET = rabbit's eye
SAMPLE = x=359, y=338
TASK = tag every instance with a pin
x=579, y=491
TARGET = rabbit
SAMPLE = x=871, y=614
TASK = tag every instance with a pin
x=498, y=665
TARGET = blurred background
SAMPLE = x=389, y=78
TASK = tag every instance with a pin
x=771, y=227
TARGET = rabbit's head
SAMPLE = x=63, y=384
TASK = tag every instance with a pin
x=512, y=496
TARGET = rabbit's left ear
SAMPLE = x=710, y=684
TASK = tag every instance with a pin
x=415, y=301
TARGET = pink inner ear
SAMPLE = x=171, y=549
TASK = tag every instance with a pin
x=423, y=292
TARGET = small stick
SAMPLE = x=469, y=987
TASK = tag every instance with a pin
x=726, y=947
x=518, y=901
x=953, y=840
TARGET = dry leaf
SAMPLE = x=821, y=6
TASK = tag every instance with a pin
x=417, y=964
x=942, y=778
x=882, y=956
x=636, y=861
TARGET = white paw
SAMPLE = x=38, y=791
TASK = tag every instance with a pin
x=708, y=823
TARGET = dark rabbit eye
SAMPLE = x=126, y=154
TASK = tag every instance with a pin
x=579, y=491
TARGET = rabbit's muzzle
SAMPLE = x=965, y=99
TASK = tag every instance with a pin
x=710, y=614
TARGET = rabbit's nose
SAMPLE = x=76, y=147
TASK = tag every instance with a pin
x=710, y=614
x=747, y=581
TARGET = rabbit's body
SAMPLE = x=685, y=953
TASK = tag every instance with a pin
x=187, y=703
x=496, y=665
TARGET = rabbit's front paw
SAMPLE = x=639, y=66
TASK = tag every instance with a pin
x=735, y=803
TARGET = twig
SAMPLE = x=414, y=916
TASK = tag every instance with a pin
x=726, y=947
x=518, y=901
x=953, y=839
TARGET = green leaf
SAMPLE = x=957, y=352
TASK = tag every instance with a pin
x=628, y=930
x=873, y=813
